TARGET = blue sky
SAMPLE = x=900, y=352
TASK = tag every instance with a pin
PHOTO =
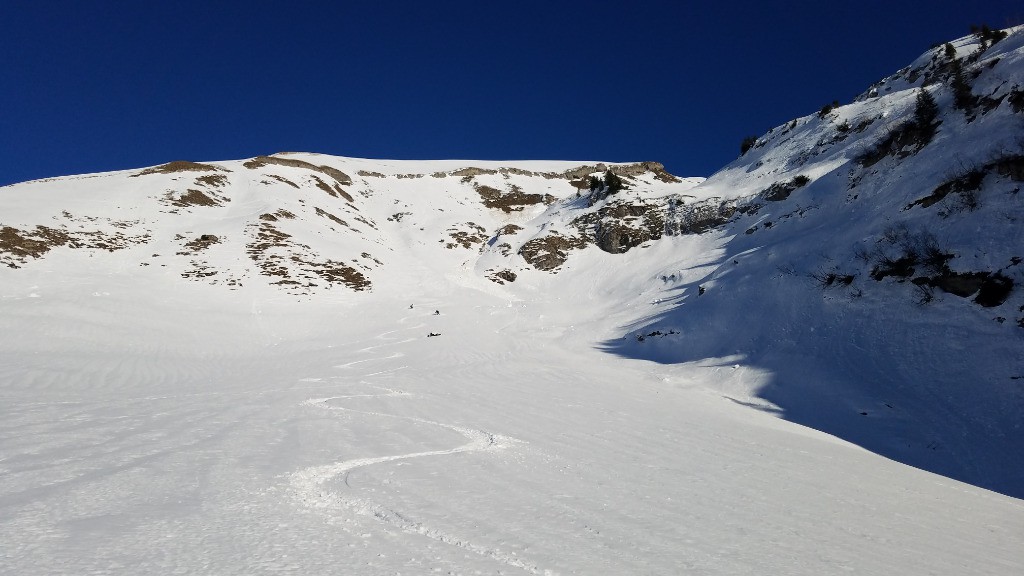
x=104, y=85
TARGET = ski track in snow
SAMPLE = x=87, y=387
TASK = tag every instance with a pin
x=309, y=484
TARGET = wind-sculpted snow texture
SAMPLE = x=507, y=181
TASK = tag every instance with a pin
x=308, y=364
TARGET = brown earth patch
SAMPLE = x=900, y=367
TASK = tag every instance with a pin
x=515, y=200
x=325, y=187
x=329, y=216
x=368, y=256
x=201, y=243
x=283, y=180
x=338, y=273
x=341, y=192
x=261, y=161
x=198, y=270
x=334, y=191
x=266, y=238
x=214, y=180
x=191, y=197
x=276, y=257
x=180, y=166
x=474, y=235
x=508, y=230
x=17, y=246
x=366, y=222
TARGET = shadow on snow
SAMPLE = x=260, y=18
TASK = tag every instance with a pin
x=895, y=378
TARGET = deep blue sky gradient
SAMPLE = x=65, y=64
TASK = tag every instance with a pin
x=102, y=85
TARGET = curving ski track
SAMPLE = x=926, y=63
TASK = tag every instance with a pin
x=309, y=484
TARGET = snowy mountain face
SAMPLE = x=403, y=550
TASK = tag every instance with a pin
x=318, y=364
x=308, y=223
x=878, y=252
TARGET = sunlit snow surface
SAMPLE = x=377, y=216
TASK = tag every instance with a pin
x=155, y=431
x=154, y=420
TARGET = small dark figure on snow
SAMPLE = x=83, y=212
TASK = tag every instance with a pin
x=432, y=334
x=437, y=312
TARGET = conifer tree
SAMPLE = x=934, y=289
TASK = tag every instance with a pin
x=962, y=97
x=612, y=182
x=927, y=110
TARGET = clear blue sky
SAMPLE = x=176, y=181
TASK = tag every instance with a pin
x=88, y=86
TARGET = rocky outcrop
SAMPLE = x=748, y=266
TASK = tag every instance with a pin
x=513, y=200
x=698, y=217
x=622, y=224
x=260, y=161
x=619, y=226
x=628, y=170
x=551, y=251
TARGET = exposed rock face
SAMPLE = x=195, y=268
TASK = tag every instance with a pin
x=1012, y=166
x=514, y=200
x=302, y=242
x=621, y=225
x=551, y=251
x=639, y=168
x=624, y=223
x=699, y=217
x=627, y=170
x=579, y=172
x=502, y=276
x=779, y=191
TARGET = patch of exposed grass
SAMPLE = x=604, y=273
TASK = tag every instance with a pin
x=180, y=166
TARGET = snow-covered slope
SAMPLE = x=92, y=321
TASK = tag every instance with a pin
x=308, y=223
x=870, y=285
x=322, y=365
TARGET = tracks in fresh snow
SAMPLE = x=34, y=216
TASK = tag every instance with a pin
x=311, y=485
